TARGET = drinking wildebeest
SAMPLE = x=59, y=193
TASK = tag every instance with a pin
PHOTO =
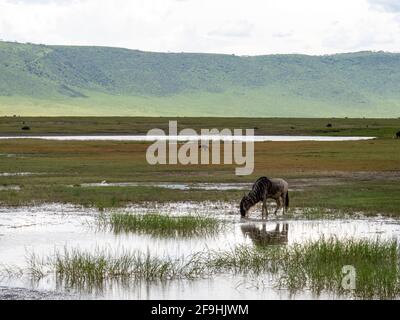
x=264, y=188
x=263, y=237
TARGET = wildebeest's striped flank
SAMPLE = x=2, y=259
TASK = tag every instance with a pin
x=264, y=188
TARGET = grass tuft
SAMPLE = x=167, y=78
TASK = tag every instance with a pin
x=162, y=225
x=91, y=269
x=316, y=266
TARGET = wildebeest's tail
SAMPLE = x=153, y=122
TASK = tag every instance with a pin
x=287, y=200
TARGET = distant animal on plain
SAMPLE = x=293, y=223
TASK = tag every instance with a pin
x=263, y=189
x=203, y=147
x=398, y=135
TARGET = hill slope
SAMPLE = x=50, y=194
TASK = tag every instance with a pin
x=60, y=80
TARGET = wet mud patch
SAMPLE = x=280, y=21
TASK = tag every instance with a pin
x=26, y=294
x=10, y=188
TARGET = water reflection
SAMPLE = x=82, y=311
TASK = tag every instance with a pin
x=261, y=236
x=53, y=227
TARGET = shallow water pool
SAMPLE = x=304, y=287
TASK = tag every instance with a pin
x=44, y=229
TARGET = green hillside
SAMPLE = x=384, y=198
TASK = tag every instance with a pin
x=59, y=80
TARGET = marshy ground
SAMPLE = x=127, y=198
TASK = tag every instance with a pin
x=62, y=249
x=344, y=198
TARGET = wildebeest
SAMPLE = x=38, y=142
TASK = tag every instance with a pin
x=263, y=189
x=398, y=135
x=263, y=237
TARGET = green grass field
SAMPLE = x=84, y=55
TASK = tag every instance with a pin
x=349, y=176
x=382, y=128
x=235, y=102
x=39, y=80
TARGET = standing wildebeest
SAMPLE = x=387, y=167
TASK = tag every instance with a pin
x=264, y=188
x=398, y=135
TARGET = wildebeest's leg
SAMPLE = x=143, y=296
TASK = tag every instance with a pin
x=284, y=203
x=265, y=208
x=285, y=231
x=263, y=211
x=278, y=205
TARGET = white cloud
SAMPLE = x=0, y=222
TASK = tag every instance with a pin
x=386, y=5
x=282, y=34
x=233, y=29
x=224, y=26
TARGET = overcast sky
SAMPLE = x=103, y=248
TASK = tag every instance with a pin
x=243, y=27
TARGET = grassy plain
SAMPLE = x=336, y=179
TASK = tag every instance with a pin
x=359, y=175
x=382, y=128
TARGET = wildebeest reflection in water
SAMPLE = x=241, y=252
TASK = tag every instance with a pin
x=263, y=237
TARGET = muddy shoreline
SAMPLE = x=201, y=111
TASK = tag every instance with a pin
x=9, y=293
